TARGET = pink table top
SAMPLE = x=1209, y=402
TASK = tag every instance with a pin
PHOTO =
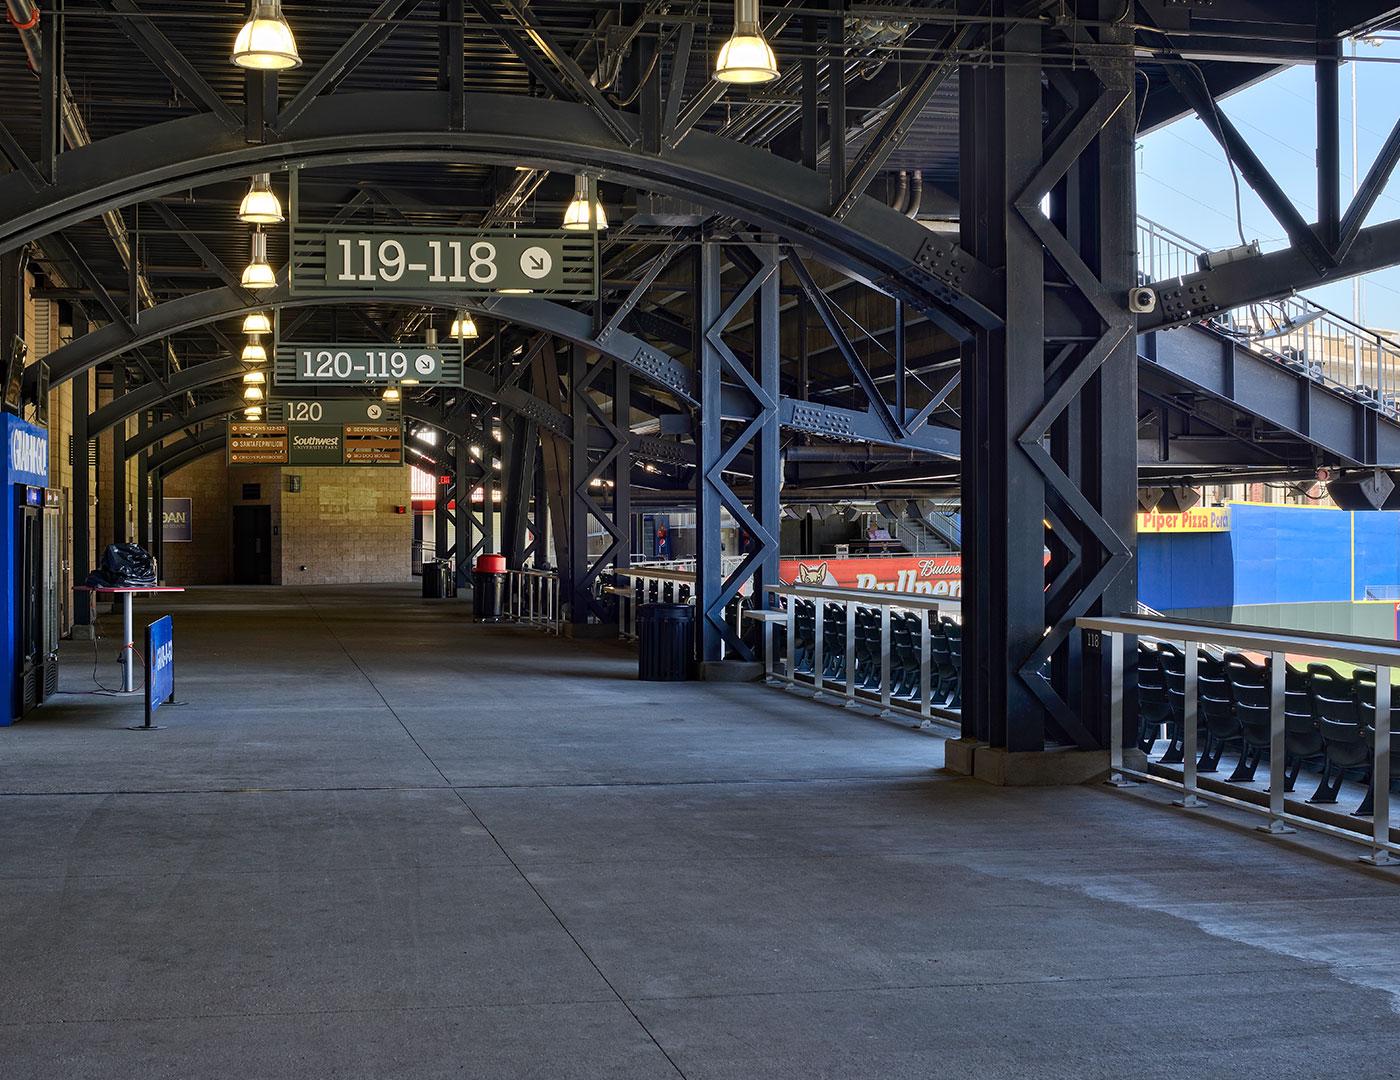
x=123, y=589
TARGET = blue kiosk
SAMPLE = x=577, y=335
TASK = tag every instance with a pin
x=30, y=522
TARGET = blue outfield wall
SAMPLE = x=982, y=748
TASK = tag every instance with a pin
x=1271, y=555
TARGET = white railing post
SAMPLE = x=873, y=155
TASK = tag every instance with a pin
x=1380, y=775
x=884, y=659
x=1116, y=776
x=925, y=668
x=1278, y=768
x=791, y=668
x=850, y=653
x=1189, y=726
x=819, y=649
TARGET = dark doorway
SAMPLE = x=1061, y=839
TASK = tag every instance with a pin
x=252, y=545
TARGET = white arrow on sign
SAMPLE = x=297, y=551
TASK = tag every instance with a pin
x=536, y=262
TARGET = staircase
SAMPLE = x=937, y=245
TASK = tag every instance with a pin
x=921, y=527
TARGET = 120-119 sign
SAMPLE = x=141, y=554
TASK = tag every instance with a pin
x=367, y=364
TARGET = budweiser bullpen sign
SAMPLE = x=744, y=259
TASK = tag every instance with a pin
x=939, y=575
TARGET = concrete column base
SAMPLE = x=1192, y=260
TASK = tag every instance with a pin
x=84, y=632
x=959, y=755
x=590, y=631
x=731, y=670
x=1043, y=768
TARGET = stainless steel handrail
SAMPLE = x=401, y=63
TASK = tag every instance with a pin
x=532, y=599
x=1277, y=645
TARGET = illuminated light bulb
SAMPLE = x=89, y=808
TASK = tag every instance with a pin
x=252, y=412
x=252, y=393
x=261, y=205
x=266, y=43
x=463, y=326
x=257, y=323
x=576, y=216
x=258, y=274
x=254, y=378
x=253, y=353
x=391, y=393
x=746, y=57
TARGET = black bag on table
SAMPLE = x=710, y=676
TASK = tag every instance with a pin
x=123, y=566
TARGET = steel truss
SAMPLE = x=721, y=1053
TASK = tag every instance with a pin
x=592, y=482
x=1049, y=461
x=721, y=369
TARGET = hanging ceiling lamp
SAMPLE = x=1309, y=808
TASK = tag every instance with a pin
x=463, y=325
x=252, y=393
x=576, y=216
x=257, y=323
x=254, y=378
x=266, y=43
x=261, y=206
x=746, y=57
x=258, y=274
x=252, y=412
x=391, y=393
x=253, y=353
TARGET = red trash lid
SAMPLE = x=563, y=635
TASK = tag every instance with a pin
x=491, y=564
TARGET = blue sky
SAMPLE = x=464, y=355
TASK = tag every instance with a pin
x=1184, y=182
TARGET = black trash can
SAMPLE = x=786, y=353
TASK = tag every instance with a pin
x=665, y=642
x=488, y=596
x=435, y=578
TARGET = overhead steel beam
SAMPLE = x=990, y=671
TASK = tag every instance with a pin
x=141, y=29
x=872, y=242
x=368, y=36
x=1265, y=277
x=156, y=434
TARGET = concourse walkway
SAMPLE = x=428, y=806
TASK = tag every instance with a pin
x=379, y=841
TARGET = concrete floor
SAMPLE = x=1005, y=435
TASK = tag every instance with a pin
x=381, y=842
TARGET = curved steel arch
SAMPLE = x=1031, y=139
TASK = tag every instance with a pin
x=159, y=458
x=158, y=433
x=199, y=309
x=871, y=241
x=190, y=454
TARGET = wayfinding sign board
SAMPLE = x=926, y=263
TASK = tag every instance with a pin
x=358, y=443
x=331, y=411
x=479, y=262
x=374, y=364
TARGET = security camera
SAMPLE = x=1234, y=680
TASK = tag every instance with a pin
x=1142, y=300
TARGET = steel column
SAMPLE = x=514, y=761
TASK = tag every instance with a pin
x=119, y=535
x=81, y=494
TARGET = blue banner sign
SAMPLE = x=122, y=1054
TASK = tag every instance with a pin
x=160, y=665
x=26, y=452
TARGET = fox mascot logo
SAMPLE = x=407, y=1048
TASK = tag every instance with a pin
x=811, y=575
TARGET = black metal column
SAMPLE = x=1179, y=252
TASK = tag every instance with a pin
x=143, y=489
x=1049, y=417
x=81, y=496
x=595, y=482
x=119, y=520
x=723, y=372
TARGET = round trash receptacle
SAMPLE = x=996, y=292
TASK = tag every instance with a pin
x=488, y=595
x=665, y=642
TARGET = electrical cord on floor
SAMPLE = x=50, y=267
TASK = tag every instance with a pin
x=101, y=690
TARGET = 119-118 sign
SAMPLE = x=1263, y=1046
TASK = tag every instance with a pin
x=484, y=262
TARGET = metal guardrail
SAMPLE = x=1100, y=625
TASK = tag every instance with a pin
x=532, y=599
x=921, y=706
x=1307, y=338
x=1277, y=646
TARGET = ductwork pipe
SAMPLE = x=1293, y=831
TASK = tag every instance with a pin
x=901, y=193
x=24, y=16
x=916, y=195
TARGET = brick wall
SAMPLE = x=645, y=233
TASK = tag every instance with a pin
x=205, y=559
x=342, y=526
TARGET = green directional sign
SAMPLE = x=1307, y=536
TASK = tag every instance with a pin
x=373, y=364
x=360, y=410
x=481, y=262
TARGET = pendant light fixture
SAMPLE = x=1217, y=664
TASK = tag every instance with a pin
x=253, y=353
x=746, y=57
x=252, y=393
x=257, y=323
x=258, y=274
x=391, y=393
x=463, y=326
x=252, y=412
x=266, y=43
x=581, y=215
x=254, y=378
x=261, y=206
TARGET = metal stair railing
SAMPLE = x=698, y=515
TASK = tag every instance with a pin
x=1311, y=340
